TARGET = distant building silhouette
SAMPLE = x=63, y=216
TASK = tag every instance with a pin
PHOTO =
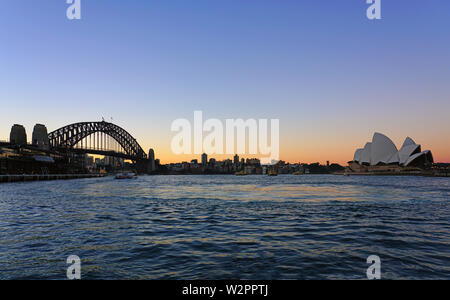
x=204, y=159
x=18, y=135
x=40, y=137
x=151, y=157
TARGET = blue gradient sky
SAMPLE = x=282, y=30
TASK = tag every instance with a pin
x=329, y=74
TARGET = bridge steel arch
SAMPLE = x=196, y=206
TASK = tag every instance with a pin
x=68, y=136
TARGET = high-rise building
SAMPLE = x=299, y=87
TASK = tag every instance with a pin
x=89, y=161
x=236, y=159
x=253, y=161
x=204, y=159
x=151, y=157
x=114, y=162
x=108, y=161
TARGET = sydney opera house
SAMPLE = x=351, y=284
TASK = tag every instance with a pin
x=382, y=154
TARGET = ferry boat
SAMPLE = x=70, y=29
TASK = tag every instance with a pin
x=272, y=173
x=125, y=176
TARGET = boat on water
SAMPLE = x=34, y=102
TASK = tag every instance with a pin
x=272, y=173
x=240, y=173
x=125, y=176
x=297, y=173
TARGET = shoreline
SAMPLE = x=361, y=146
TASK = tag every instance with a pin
x=424, y=174
x=47, y=177
x=53, y=177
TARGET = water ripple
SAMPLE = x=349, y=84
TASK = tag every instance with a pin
x=227, y=227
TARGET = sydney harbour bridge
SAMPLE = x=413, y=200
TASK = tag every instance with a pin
x=98, y=138
x=101, y=138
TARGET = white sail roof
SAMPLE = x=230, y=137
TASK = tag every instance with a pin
x=405, y=153
x=413, y=158
x=365, y=154
x=382, y=149
x=394, y=159
x=358, y=154
x=408, y=141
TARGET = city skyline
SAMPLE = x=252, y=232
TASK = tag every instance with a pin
x=332, y=77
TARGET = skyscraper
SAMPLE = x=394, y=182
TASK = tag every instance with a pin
x=151, y=157
x=236, y=159
x=204, y=159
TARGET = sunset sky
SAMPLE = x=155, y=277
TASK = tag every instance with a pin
x=331, y=76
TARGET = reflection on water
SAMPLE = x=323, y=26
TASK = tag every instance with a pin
x=221, y=227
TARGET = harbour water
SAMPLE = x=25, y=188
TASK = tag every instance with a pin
x=227, y=227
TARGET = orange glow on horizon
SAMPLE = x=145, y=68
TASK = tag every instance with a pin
x=319, y=150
